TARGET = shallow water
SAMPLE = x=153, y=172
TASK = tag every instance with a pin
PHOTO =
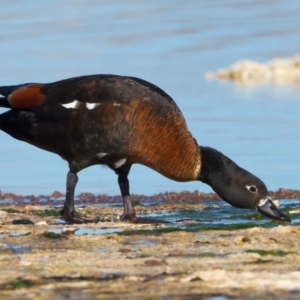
x=172, y=44
x=216, y=215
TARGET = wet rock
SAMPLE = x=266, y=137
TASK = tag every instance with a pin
x=242, y=240
x=57, y=194
x=155, y=262
x=52, y=235
x=22, y=222
x=69, y=230
x=125, y=250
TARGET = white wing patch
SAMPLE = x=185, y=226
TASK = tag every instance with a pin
x=91, y=105
x=120, y=163
x=101, y=154
x=71, y=104
x=76, y=103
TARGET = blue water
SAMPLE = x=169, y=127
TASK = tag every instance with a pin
x=171, y=44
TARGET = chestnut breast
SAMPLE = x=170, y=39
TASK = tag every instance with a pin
x=159, y=138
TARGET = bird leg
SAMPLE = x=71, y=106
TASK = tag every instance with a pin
x=129, y=212
x=68, y=210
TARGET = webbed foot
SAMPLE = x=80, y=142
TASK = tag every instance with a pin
x=138, y=220
x=72, y=219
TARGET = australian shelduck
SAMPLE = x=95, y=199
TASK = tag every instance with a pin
x=119, y=121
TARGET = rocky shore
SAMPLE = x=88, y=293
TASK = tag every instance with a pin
x=57, y=198
x=44, y=258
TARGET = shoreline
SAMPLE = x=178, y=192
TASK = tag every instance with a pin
x=88, y=198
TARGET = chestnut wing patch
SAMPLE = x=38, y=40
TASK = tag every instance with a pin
x=27, y=96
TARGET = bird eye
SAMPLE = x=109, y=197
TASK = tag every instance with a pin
x=252, y=188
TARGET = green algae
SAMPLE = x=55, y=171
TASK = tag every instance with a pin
x=19, y=283
x=18, y=234
x=268, y=252
x=10, y=210
x=46, y=213
x=210, y=254
x=152, y=231
x=52, y=235
x=197, y=227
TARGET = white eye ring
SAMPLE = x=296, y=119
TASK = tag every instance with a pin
x=252, y=188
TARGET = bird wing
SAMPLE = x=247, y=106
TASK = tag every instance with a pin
x=91, y=89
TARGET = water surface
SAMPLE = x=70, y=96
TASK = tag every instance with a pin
x=171, y=44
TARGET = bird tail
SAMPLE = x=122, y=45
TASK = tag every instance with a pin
x=4, y=102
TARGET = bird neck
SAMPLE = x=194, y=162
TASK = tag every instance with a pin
x=216, y=169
